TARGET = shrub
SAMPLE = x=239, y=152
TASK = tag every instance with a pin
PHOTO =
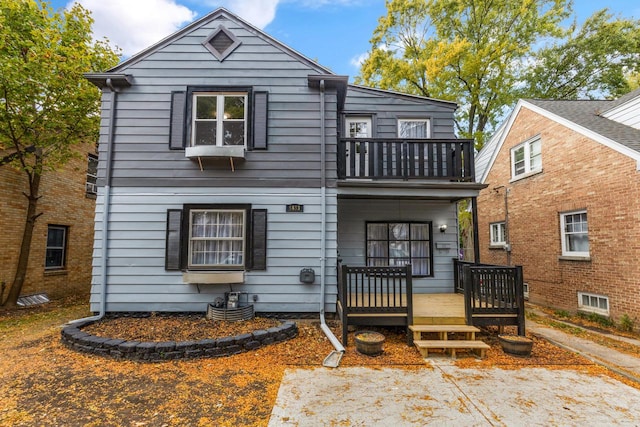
x=626, y=323
x=597, y=318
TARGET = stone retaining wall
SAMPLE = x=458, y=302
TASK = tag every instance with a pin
x=74, y=338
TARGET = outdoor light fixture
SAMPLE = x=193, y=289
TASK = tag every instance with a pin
x=443, y=228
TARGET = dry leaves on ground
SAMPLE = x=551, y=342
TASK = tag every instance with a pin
x=44, y=383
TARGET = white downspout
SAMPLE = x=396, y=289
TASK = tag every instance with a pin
x=333, y=359
x=105, y=212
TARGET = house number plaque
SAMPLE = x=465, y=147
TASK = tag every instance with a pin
x=295, y=208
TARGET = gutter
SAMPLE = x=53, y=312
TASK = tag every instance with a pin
x=105, y=210
x=333, y=359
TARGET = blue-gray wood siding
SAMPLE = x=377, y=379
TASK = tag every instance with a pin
x=136, y=275
x=388, y=108
x=353, y=214
x=141, y=151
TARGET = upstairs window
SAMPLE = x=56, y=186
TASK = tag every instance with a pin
x=219, y=119
x=56, y=249
x=498, y=234
x=575, y=234
x=414, y=128
x=526, y=158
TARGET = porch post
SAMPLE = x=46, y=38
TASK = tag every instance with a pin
x=476, y=240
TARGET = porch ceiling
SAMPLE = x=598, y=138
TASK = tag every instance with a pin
x=452, y=191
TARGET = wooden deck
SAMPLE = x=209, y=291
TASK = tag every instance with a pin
x=438, y=309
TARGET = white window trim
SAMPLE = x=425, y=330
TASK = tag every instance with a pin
x=219, y=120
x=589, y=308
x=243, y=238
x=91, y=185
x=527, y=159
x=493, y=240
x=422, y=120
x=358, y=119
x=563, y=240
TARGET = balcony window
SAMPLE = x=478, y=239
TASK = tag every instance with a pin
x=413, y=128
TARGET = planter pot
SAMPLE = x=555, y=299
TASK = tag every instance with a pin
x=516, y=344
x=369, y=342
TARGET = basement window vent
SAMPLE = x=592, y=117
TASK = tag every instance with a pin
x=221, y=43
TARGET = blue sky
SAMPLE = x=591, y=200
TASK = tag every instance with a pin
x=336, y=33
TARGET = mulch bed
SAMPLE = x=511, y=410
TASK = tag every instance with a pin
x=44, y=383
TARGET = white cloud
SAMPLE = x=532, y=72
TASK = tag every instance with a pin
x=142, y=24
x=358, y=60
x=257, y=12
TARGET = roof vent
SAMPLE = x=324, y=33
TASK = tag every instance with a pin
x=221, y=43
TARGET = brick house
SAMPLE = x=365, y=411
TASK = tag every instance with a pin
x=563, y=201
x=62, y=246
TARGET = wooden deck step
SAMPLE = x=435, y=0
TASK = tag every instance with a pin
x=444, y=330
x=452, y=345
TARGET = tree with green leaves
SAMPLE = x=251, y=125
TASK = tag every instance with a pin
x=47, y=108
x=468, y=51
x=599, y=59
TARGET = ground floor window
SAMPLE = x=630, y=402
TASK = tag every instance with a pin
x=400, y=243
x=575, y=234
x=216, y=238
x=498, y=234
x=593, y=303
x=55, y=256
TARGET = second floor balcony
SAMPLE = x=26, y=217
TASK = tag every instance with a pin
x=406, y=159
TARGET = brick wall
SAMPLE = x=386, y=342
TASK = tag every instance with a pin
x=63, y=202
x=578, y=173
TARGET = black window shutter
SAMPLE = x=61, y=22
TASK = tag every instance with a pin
x=258, y=244
x=260, y=125
x=177, y=125
x=172, y=259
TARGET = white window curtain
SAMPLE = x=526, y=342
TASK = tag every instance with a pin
x=398, y=244
x=217, y=238
x=413, y=129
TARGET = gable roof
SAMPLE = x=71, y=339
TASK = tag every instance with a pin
x=582, y=116
x=216, y=14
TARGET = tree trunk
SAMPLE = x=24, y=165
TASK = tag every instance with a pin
x=27, y=235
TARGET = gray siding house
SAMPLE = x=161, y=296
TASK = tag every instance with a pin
x=230, y=162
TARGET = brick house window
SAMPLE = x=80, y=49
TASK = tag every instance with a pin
x=91, y=186
x=400, y=243
x=498, y=233
x=593, y=303
x=526, y=158
x=574, y=233
x=56, y=250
